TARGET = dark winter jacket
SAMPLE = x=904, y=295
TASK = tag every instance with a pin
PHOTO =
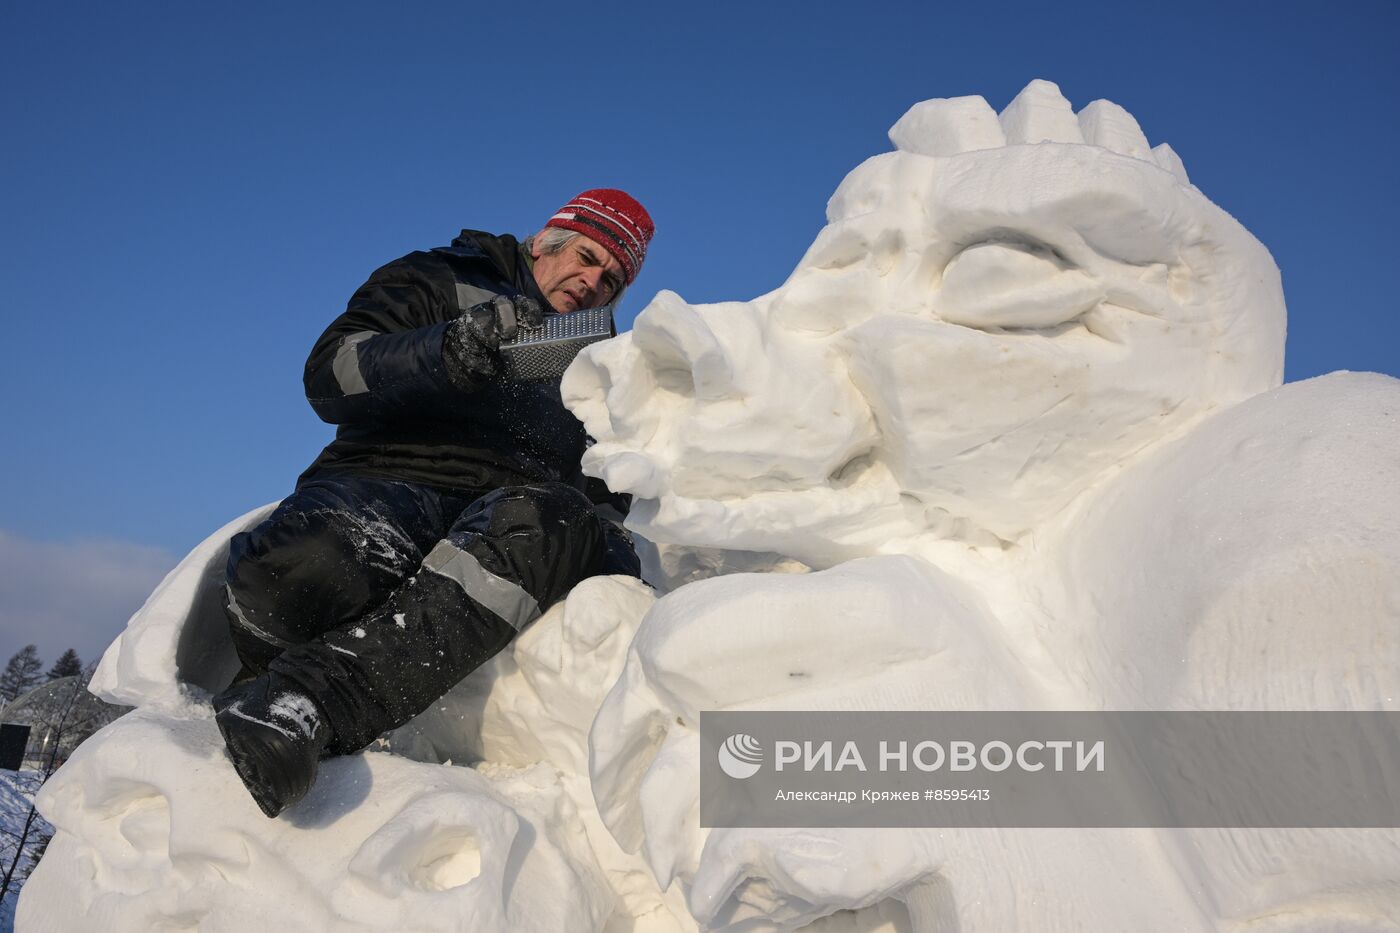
x=378, y=374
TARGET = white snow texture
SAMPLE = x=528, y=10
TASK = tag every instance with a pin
x=1011, y=436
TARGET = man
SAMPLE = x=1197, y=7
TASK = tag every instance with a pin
x=447, y=514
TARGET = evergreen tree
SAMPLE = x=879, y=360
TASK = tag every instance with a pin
x=21, y=674
x=67, y=665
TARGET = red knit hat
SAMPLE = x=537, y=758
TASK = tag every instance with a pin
x=615, y=221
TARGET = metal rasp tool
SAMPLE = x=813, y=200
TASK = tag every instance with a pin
x=541, y=354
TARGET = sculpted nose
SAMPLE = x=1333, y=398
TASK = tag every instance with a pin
x=683, y=351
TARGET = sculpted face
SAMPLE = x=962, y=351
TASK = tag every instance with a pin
x=995, y=315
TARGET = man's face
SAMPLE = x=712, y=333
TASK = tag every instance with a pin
x=581, y=275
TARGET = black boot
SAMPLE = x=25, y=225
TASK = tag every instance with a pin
x=275, y=735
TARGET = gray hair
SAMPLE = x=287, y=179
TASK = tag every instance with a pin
x=552, y=239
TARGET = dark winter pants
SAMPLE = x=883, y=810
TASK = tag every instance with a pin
x=377, y=596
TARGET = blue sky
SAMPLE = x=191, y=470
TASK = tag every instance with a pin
x=190, y=192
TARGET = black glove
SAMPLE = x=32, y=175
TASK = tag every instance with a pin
x=470, y=349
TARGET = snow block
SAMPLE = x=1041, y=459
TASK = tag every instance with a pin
x=947, y=127
x=1109, y=126
x=1040, y=114
x=1165, y=157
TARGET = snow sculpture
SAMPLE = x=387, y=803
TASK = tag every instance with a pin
x=1001, y=355
x=980, y=332
x=155, y=831
x=1013, y=433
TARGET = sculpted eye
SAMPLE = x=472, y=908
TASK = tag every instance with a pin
x=1009, y=284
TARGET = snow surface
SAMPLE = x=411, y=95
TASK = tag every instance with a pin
x=16, y=795
x=1011, y=436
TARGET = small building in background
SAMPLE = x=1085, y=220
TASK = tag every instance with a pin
x=60, y=714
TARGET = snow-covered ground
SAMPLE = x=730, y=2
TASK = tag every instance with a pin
x=1011, y=436
x=16, y=792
